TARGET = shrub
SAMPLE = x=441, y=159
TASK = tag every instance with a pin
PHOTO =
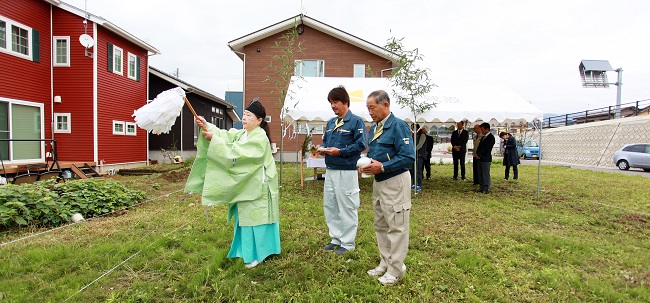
x=189, y=162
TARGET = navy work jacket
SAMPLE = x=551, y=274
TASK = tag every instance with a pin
x=350, y=139
x=393, y=148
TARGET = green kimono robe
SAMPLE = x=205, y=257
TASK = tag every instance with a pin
x=228, y=170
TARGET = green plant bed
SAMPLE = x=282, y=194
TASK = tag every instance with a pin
x=48, y=203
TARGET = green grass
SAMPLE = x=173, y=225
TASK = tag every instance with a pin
x=587, y=239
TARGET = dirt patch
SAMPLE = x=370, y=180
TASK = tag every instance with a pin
x=176, y=176
x=636, y=221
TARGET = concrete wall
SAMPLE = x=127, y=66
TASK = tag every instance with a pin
x=592, y=143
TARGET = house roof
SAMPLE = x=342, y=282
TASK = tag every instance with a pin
x=238, y=44
x=596, y=65
x=189, y=88
x=106, y=24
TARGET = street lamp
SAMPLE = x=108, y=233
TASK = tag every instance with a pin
x=594, y=74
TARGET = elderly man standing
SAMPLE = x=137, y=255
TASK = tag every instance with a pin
x=344, y=140
x=392, y=155
x=475, y=162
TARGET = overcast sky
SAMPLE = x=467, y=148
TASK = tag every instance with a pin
x=533, y=47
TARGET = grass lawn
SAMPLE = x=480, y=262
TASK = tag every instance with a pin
x=587, y=239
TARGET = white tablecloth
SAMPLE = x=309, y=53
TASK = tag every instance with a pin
x=316, y=162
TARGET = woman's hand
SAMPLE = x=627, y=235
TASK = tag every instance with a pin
x=207, y=134
x=200, y=122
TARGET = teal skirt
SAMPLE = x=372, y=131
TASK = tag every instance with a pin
x=254, y=242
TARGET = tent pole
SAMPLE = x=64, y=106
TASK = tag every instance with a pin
x=539, y=160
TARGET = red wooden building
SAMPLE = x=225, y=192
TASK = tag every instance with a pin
x=53, y=87
x=327, y=52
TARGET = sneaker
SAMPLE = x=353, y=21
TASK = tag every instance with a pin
x=464, y=179
x=418, y=188
x=388, y=279
x=377, y=271
x=252, y=264
x=341, y=250
x=330, y=246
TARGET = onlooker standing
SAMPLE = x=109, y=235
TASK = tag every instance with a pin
x=392, y=155
x=427, y=160
x=344, y=140
x=510, y=156
x=475, y=163
x=484, y=156
x=459, y=149
x=421, y=151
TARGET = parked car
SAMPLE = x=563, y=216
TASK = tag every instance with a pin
x=529, y=150
x=633, y=155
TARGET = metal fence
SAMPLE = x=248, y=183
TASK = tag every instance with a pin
x=637, y=108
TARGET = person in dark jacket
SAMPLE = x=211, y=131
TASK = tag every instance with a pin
x=427, y=160
x=459, y=149
x=343, y=142
x=510, y=156
x=484, y=156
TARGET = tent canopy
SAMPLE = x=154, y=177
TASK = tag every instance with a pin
x=306, y=101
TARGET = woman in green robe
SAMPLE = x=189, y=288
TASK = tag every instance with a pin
x=236, y=167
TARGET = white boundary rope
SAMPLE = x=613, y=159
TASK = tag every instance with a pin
x=68, y=225
x=126, y=260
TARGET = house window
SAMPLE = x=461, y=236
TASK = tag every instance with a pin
x=268, y=119
x=317, y=129
x=217, y=110
x=130, y=129
x=118, y=127
x=62, y=51
x=218, y=122
x=117, y=60
x=132, y=66
x=359, y=70
x=19, y=40
x=3, y=34
x=197, y=131
x=62, y=123
x=15, y=38
x=309, y=68
x=21, y=120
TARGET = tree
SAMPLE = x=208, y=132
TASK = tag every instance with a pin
x=283, y=66
x=410, y=83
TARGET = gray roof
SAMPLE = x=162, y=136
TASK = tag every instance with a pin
x=596, y=65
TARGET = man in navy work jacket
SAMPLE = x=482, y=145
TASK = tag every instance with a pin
x=392, y=155
x=344, y=140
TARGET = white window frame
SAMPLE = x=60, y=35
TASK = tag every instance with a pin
x=41, y=108
x=135, y=68
x=68, y=130
x=268, y=119
x=318, y=129
x=320, y=68
x=115, y=122
x=8, y=41
x=363, y=71
x=218, y=122
x=131, y=133
x=121, y=61
x=55, y=51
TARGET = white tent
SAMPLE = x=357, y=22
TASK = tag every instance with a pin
x=489, y=102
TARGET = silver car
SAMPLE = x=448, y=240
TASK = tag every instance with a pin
x=633, y=155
